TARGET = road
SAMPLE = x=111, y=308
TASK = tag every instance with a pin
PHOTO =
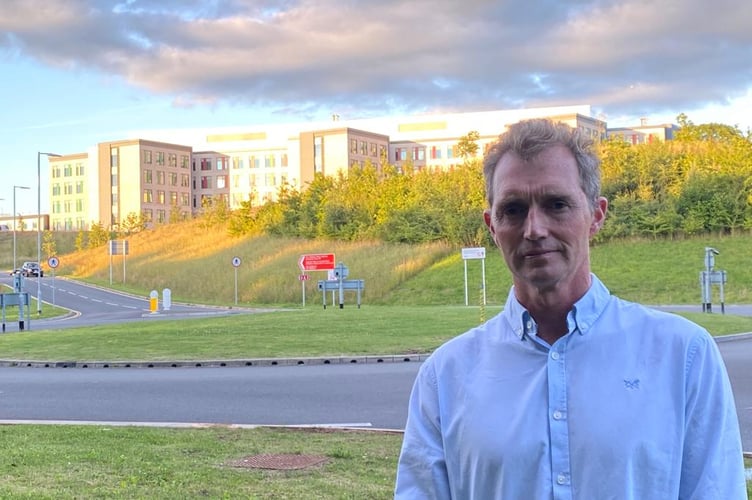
x=91, y=305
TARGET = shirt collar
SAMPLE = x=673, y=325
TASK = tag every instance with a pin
x=581, y=318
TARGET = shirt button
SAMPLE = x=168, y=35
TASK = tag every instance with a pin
x=554, y=355
x=561, y=479
x=557, y=415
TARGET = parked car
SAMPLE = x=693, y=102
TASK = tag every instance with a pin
x=32, y=269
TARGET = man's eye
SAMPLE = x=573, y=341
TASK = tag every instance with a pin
x=512, y=211
x=558, y=205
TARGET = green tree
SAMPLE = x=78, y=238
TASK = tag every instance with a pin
x=467, y=146
x=98, y=235
x=49, y=245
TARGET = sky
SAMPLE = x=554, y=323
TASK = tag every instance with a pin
x=79, y=72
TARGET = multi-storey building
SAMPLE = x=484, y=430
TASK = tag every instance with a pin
x=163, y=175
x=118, y=179
x=644, y=133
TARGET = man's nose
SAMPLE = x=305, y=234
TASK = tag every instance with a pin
x=536, y=224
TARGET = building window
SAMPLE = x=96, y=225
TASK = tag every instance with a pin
x=79, y=187
x=161, y=216
x=148, y=177
x=269, y=161
x=67, y=171
x=222, y=163
x=206, y=182
x=148, y=214
x=160, y=158
x=221, y=181
x=206, y=164
x=161, y=197
x=172, y=160
x=184, y=160
x=363, y=148
x=185, y=199
x=173, y=198
x=79, y=169
x=147, y=157
x=185, y=180
x=269, y=180
x=173, y=179
x=283, y=160
x=435, y=153
x=353, y=146
x=56, y=190
x=79, y=205
x=148, y=196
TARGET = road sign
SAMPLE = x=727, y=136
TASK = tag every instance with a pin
x=316, y=262
x=53, y=262
x=236, y=262
x=303, y=277
x=474, y=253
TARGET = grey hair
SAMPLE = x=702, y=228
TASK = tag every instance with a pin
x=528, y=138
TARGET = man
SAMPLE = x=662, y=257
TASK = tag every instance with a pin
x=570, y=392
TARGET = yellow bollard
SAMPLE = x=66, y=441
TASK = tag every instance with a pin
x=153, y=301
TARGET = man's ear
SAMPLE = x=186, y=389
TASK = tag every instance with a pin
x=487, y=220
x=599, y=215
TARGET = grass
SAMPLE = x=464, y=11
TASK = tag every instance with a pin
x=379, y=330
x=67, y=462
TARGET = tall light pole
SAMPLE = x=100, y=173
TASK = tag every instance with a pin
x=14, y=223
x=39, y=227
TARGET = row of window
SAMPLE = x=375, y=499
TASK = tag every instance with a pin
x=68, y=206
x=158, y=158
x=240, y=162
x=163, y=176
x=175, y=197
x=365, y=148
x=67, y=170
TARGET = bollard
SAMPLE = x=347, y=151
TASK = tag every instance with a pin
x=153, y=301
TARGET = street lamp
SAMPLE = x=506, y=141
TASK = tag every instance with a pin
x=39, y=227
x=14, y=223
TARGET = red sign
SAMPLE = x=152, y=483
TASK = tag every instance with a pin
x=302, y=277
x=316, y=262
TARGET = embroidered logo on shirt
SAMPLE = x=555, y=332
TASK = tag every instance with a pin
x=632, y=384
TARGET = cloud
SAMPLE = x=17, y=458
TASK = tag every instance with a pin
x=627, y=57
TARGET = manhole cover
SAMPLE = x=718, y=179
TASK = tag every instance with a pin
x=278, y=462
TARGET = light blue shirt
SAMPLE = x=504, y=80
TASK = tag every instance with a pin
x=631, y=403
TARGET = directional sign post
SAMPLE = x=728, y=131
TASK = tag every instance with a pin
x=477, y=253
x=53, y=262
x=236, y=264
x=316, y=262
x=313, y=262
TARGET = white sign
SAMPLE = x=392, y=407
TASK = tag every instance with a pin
x=474, y=253
x=236, y=262
x=53, y=262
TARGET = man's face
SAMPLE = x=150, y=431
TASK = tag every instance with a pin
x=542, y=221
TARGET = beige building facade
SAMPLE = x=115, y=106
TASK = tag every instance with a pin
x=168, y=175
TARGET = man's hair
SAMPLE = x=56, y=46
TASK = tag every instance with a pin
x=528, y=138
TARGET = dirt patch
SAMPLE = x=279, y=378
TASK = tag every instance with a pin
x=278, y=461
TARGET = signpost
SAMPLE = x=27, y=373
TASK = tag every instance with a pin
x=53, y=262
x=236, y=264
x=313, y=262
x=118, y=247
x=474, y=254
x=316, y=262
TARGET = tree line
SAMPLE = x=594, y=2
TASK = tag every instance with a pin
x=700, y=182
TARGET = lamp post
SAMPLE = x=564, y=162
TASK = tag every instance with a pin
x=14, y=223
x=39, y=226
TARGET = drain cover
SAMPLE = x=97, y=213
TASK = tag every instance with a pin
x=278, y=461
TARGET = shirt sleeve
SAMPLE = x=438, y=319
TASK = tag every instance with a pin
x=712, y=461
x=421, y=471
